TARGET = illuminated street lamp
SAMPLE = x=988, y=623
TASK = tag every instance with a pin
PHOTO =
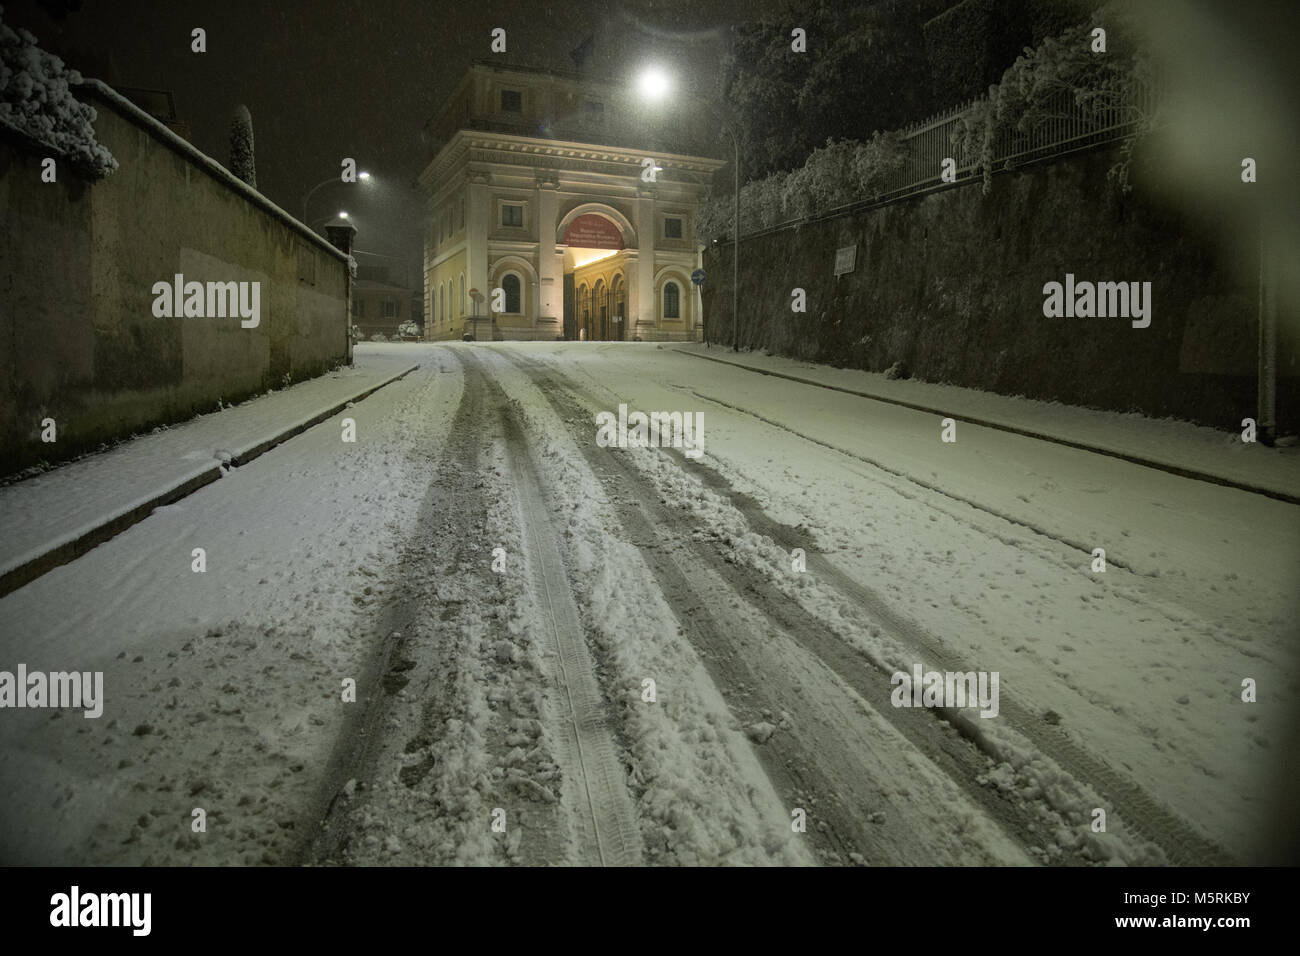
x=653, y=85
x=363, y=176
x=342, y=216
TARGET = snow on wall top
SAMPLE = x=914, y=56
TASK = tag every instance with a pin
x=125, y=107
x=36, y=100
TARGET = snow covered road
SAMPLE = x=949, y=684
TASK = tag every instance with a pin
x=570, y=653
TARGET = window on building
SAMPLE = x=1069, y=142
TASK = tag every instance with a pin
x=390, y=309
x=442, y=303
x=512, y=214
x=513, y=296
x=672, y=301
x=672, y=227
x=594, y=110
x=359, y=307
x=512, y=101
x=463, y=308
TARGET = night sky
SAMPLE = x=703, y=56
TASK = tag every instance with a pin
x=331, y=78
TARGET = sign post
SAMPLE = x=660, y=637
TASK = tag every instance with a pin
x=476, y=297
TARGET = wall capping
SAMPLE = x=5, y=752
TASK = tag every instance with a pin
x=109, y=97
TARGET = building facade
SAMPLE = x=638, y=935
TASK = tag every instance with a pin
x=545, y=199
x=379, y=305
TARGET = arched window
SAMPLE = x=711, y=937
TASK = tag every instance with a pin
x=620, y=307
x=442, y=303
x=510, y=282
x=464, y=307
x=672, y=301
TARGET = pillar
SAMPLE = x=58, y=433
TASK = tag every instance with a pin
x=341, y=235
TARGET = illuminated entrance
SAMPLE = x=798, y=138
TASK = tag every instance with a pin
x=595, y=280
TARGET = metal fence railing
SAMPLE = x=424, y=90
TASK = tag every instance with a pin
x=1064, y=124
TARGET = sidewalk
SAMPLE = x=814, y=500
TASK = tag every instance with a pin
x=53, y=518
x=1181, y=448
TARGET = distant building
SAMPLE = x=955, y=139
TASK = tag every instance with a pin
x=558, y=190
x=379, y=306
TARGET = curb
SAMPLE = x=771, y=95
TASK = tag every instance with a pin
x=31, y=568
x=1026, y=432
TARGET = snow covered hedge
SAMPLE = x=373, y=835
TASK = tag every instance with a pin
x=1063, y=80
x=36, y=99
x=835, y=175
x=1061, y=77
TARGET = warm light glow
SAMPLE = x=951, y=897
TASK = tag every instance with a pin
x=363, y=175
x=584, y=256
x=343, y=215
x=654, y=83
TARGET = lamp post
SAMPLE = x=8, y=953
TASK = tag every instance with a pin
x=363, y=176
x=654, y=85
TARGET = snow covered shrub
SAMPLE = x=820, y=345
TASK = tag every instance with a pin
x=713, y=220
x=874, y=162
x=762, y=203
x=379, y=337
x=795, y=199
x=1063, y=80
x=827, y=179
x=36, y=99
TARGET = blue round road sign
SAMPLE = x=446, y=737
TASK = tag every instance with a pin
x=698, y=277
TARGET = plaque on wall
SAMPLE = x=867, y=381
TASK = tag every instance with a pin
x=846, y=258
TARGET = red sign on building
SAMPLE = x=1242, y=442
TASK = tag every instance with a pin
x=593, y=232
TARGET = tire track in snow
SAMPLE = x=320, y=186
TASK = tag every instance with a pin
x=928, y=486
x=586, y=742
x=1142, y=813
x=413, y=778
x=1139, y=810
x=825, y=758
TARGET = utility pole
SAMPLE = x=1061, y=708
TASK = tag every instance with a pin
x=1266, y=414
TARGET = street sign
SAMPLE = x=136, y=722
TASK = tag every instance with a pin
x=698, y=277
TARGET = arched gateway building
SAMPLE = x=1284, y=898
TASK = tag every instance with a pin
x=544, y=185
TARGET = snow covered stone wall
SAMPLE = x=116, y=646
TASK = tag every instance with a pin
x=81, y=340
x=950, y=288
